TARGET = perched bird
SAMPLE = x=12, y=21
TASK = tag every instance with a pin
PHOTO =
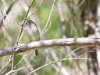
x=32, y=32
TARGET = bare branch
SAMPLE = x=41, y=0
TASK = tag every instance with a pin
x=36, y=9
x=49, y=16
x=10, y=7
x=6, y=35
x=21, y=29
x=51, y=43
x=20, y=34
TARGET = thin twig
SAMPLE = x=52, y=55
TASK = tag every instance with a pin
x=5, y=65
x=10, y=7
x=53, y=63
x=20, y=34
x=4, y=17
x=9, y=73
x=49, y=16
x=21, y=29
x=6, y=35
x=36, y=9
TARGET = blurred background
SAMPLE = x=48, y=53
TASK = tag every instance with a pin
x=56, y=19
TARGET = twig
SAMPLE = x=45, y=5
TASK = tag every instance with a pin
x=20, y=35
x=49, y=15
x=4, y=17
x=36, y=9
x=3, y=67
x=81, y=2
x=53, y=63
x=73, y=17
x=9, y=73
x=21, y=29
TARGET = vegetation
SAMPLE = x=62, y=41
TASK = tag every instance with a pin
x=57, y=19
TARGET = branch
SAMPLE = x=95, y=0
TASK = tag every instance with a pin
x=36, y=9
x=21, y=29
x=51, y=43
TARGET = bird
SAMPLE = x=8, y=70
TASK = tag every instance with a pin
x=32, y=32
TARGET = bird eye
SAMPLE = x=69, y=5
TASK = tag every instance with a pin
x=26, y=23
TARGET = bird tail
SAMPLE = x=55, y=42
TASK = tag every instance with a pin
x=36, y=52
